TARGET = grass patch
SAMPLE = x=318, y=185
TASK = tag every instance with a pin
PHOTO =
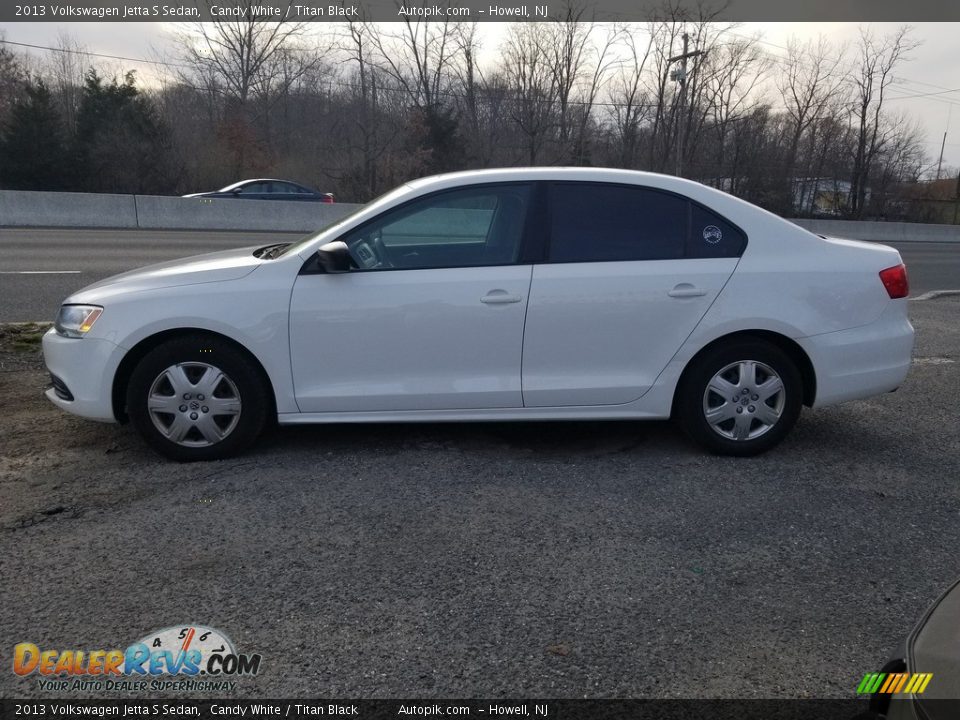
x=22, y=337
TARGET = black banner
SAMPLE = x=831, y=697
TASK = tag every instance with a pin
x=498, y=709
x=478, y=10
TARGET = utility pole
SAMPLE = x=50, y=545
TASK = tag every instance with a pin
x=956, y=200
x=944, y=143
x=940, y=161
x=680, y=76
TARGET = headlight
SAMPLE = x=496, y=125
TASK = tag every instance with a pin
x=75, y=321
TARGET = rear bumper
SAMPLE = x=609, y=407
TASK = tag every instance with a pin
x=864, y=361
x=85, y=369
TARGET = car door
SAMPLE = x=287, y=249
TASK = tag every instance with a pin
x=431, y=318
x=629, y=273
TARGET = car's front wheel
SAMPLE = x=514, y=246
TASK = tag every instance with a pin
x=197, y=397
x=740, y=398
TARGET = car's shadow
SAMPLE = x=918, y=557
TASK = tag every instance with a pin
x=574, y=438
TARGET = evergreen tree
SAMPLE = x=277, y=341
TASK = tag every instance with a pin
x=121, y=145
x=32, y=153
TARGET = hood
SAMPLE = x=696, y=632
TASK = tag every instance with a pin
x=211, y=267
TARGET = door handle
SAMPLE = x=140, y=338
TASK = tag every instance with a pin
x=499, y=297
x=686, y=290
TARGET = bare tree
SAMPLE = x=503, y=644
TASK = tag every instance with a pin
x=811, y=78
x=239, y=53
x=238, y=59
x=900, y=160
x=367, y=131
x=731, y=92
x=630, y=105
x=525, y=59
x=420, y=57
x=878, y=58
x=65, y=69
x=579, y=66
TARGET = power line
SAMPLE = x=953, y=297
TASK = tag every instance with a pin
x=330, y=81
x=76, y=51
x=341, y=84
x=848, y=67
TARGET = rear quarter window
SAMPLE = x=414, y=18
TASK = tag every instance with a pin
x=711, y=236
x=597, y=222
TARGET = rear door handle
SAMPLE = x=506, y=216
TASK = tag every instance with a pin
x=499, y=297
x=686, y=290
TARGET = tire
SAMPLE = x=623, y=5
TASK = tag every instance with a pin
x=740, y=423
x=197, y=397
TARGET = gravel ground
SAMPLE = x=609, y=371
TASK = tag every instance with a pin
x=494, y=560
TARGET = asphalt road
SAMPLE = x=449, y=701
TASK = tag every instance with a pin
x=61, y=261
x=40, y=267
x=495, y=560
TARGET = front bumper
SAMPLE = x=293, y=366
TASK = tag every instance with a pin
x=85, y=368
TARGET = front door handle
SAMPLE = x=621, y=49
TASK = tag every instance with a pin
x=686, y=290
x=499, y=297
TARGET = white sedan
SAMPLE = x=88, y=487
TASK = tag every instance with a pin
x=520, y=294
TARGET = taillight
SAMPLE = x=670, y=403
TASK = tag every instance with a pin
x=328, y=198
x=894, y=279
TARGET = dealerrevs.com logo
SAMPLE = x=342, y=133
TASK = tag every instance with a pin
x=185, y=658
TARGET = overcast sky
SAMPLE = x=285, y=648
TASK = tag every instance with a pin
x=934, y=70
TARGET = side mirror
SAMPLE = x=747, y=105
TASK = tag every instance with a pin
x=334, y=257
x=236, y=191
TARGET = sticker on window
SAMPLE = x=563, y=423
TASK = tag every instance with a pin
x=712, y=234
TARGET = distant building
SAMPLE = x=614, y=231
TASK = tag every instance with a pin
x=822, y=196
x=936, y=201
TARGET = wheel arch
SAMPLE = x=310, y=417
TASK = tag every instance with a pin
x=121, y=377
x=787, y=345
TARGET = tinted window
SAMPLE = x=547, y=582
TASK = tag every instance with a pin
x=712, y=236
x=594, y=222
x=254, y=187
x=282, y=187
x=461, y=228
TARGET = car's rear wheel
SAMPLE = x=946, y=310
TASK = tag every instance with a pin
x=197, y=397
x=740, y=398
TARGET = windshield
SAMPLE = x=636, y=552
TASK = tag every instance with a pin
x=385, y=198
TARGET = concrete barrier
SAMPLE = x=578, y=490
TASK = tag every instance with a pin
x=882, y=231
x=156, y=212
x=66, y=209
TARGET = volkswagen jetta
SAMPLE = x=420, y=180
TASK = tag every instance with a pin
x=521, y=294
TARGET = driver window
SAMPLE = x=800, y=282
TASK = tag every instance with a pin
x=460, y=228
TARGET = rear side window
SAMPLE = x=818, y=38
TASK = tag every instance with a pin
x=593, y=222
x=711, y=236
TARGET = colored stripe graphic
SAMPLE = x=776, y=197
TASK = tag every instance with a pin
x=894, y=683
x=870, y=683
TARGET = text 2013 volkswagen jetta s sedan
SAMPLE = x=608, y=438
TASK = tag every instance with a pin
x=522, y=294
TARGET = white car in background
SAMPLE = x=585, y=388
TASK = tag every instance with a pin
x=519, y=294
